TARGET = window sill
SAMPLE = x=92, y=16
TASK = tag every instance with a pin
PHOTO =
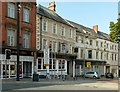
x=11, y=18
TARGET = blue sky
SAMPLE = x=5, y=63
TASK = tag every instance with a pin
x=88, y=13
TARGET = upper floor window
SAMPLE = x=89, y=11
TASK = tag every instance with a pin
x=89, y=53
x=107, y=45
x=70, y=33
x=54, y=46
x=63, y=31
x=44, y=25
x=11, y=10
x=101, y=44
x=82, y=41
x=25, y=15
x=115, y=56
x=26, y=40
x=82, y=53
x=44, y=43
x=112, y=56
x=10, y=37
x=63, y=48
x=107, y=56
x=96, y=55
x=54, y=28
x=101, y=55
x=96, y=43
x=90, y=42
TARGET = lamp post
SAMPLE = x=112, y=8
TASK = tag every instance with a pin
x=18, y=30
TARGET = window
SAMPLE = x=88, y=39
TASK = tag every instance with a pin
x=44, y=67
x=90, y=42
x=82, y=41
x=12, y=67
x=25, y=15
x=82, y=53
x=96, y=55
x=101, y=55
x=44, y=25
x=101, y=44
x=115, y=57
x=54, y=28
x=39, y=63
x=11, y=10
x=76, y=39
x=10, y=37
x=50, y=64
x=63, y=31
x=112, y=56
x=107, y=56
x=89, y=53
x=96, y=43
x=54, y=46
x=44, y=43
x=54, y=64
x=70, y=33
x=26, y=40
x=107, y=45
x=61, y=64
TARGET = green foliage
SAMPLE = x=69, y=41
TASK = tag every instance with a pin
x=114, y=30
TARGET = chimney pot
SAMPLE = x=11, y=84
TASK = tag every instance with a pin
x=95, y=28
x=52, y=6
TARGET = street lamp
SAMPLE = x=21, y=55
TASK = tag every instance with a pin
x=18, y=31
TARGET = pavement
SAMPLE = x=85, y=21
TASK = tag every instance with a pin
x=58, y=84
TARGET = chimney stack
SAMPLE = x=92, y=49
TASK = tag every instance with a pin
x=52, y=6
x=95, y=28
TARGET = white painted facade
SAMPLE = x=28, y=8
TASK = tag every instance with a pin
x=11, y=68
x=107, y=47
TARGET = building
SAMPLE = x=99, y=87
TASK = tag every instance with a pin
x=57, y=34
x=95, y=51
x=9, y=38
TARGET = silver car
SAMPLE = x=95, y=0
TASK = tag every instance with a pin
x=92, y=75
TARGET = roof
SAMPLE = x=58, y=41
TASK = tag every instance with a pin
x=82, y=29
x=103, y=35
x=51, y=14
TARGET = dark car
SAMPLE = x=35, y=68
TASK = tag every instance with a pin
x=109, y=75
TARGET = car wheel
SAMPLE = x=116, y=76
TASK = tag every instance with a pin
x=94, y=77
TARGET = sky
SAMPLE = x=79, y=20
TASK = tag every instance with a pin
x=88, y=13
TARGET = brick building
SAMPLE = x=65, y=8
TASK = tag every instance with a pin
x=9, y=38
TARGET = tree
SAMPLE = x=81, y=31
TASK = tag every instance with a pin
x=114, y=30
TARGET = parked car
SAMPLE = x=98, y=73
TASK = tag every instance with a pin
x=92, y=74
x=109, y=75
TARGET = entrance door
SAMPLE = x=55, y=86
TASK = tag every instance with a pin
x=27, y=69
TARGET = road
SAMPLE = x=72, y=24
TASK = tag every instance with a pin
x=43, y=84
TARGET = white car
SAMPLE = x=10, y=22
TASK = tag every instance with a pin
x=92, y=75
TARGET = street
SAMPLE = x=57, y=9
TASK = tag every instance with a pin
x=52, y=84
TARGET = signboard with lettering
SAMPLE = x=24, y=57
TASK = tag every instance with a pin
x=88, y=64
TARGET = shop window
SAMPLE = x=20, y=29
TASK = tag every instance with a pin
x=39, y=63
x=12, y=67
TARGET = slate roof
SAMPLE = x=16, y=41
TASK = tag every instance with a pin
x=103, y=35
x=41, y=10
x=81, y=28
x=51, y=14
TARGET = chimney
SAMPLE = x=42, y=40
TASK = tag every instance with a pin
x=95, y=27
x=52, y=6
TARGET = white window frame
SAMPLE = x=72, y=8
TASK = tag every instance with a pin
x=26, y=40
x=26, y=15
x=44, y=44
x=45, y=25
x=63, y=31
x=54, y=26
x=71, y=33
x=11, y=10
x=10, y=37
x=54, y=46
